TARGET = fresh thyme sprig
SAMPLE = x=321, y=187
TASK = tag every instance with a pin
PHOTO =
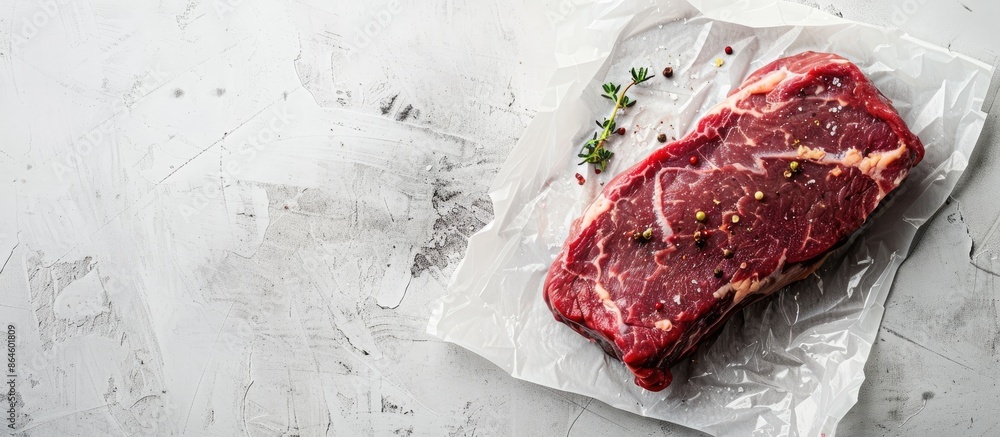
x=593, y=151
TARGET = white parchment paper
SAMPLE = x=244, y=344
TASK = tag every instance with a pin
x=791, y=365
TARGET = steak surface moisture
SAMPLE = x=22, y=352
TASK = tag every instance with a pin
x=809, y=132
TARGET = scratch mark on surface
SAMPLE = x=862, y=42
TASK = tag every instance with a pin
x=197, y=387
x=243, y=404
x=928, y=349
x=141, y=399
x=578, y=417
x=273, y=102
x=985, y=270
x=11, y=254
x=564, y=396
x=294, y=422
x=927, y=395
x=387, y=209
x=609, y=420
x=246, y=425
x=219, y=141
x=991, y=429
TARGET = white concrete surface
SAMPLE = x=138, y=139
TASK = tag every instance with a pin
x=229, y=217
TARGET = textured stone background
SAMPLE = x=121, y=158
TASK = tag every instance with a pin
x=230, y=216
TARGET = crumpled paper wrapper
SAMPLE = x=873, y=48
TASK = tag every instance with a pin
x=790, y=365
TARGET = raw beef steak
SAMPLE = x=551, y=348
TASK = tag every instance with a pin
x=769, y=181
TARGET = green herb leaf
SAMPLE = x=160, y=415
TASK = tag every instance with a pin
x=611, y=91
x=641, y=75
